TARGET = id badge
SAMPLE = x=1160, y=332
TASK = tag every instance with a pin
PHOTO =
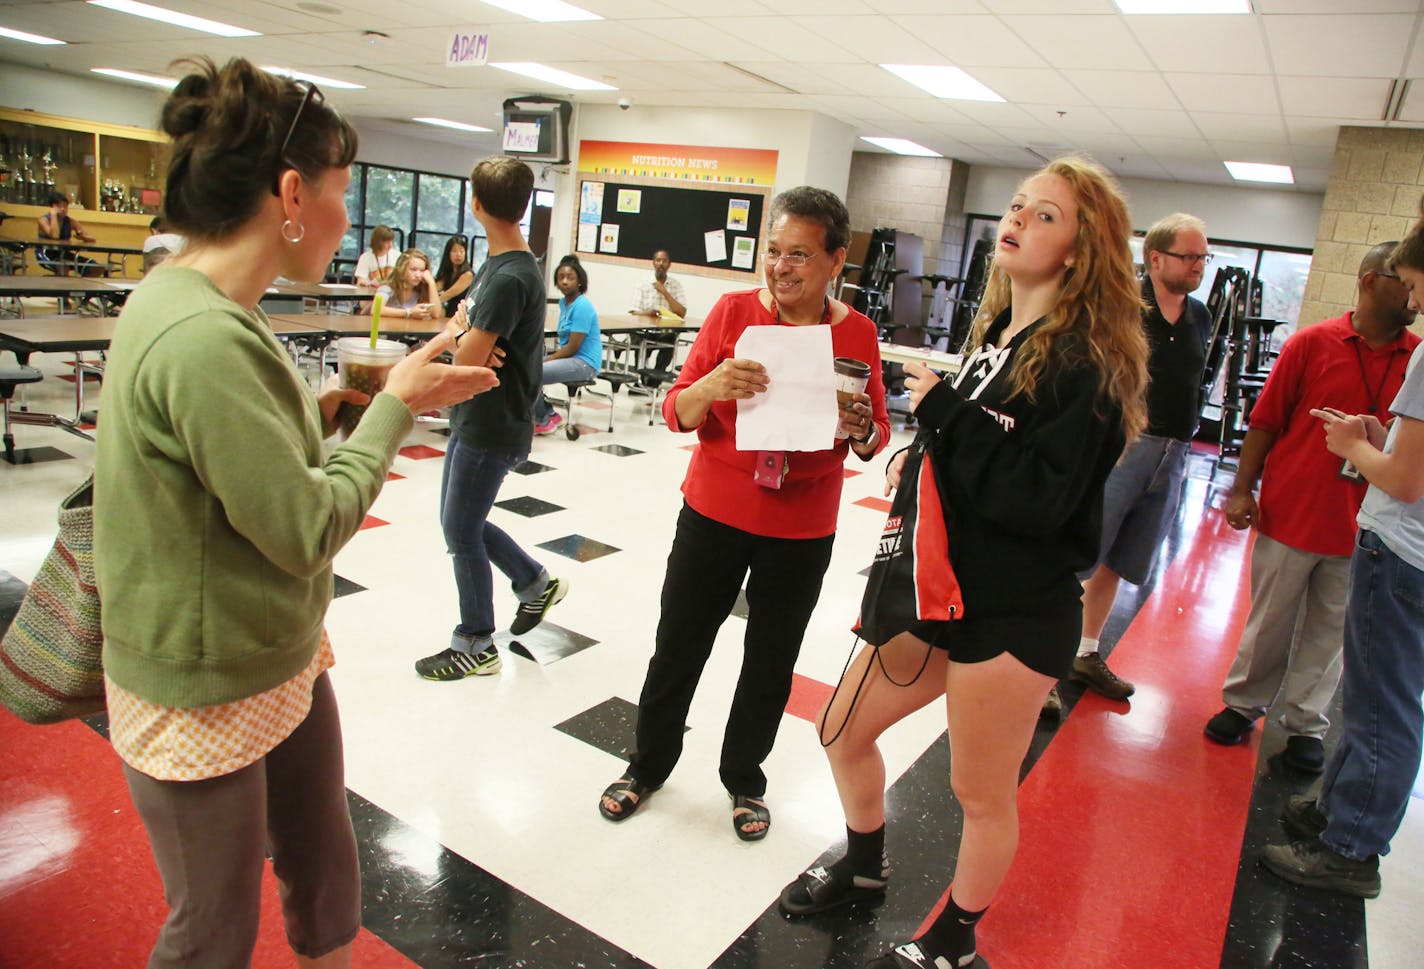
x=1349, y=472
x=770, y=469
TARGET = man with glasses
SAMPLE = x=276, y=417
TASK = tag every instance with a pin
x=1140, y=497
x=1291, y=647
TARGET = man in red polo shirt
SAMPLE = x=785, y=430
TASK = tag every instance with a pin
x=1305, y=518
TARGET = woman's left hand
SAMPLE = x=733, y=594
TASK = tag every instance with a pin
x=856, y=420
x=921, y=381
x=331, y=397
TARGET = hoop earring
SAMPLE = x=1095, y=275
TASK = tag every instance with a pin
x=301, y=232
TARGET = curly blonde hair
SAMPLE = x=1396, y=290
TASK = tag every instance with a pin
x=1100, y=301
x=400, y=289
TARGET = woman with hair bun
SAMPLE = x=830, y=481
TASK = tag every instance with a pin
x=216, y=518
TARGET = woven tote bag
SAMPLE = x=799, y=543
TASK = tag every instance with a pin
x=50, y=667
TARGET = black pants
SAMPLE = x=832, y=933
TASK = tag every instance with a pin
x=704, y=573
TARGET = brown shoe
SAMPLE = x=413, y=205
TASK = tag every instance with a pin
x=1092, y=671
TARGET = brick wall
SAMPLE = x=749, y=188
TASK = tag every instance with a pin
x=906, y=193
x=1372, y=197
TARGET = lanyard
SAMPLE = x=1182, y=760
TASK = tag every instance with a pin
x=1364, y=377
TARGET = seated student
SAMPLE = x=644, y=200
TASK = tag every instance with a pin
x=375, y=266
x=662, y=293
x=411, y=291
x=455, y=274
x=580, y=352
x=57, y=225
x=160, y=244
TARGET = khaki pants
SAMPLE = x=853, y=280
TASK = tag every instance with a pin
x=1292, y=645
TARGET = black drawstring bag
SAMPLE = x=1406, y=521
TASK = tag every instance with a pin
x=911, y=579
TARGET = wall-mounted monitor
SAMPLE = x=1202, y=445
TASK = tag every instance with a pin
x=537, y=129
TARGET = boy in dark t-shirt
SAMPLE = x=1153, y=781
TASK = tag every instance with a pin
x=503, y=313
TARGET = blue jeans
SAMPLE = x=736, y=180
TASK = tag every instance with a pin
x=469, y=484
x=560, y=371
x=1368, y=783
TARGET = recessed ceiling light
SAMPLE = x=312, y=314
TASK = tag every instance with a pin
x=902, y=146
x=27, y=38
x=175, y=18
x=457, y=125
x=314, y=78
x=321, y=8
x=1183, y=6
x=154, y=79
x=943, y=82
x=542, y=72
x=1259, y=172
x=547, y=11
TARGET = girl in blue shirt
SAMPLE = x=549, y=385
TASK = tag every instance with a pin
x=580, y=352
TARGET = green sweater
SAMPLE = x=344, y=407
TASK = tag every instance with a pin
x=215, y=515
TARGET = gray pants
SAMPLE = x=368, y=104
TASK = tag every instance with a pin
x=210, y=839
x=1294, y=637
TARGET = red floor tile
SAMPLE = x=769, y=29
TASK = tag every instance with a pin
x=874, y=504
x=392, y=476
x=419, y=452
x=807, y=697
x=372, y=522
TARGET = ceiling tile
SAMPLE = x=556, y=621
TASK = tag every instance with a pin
x=1075, y=120
x=1356, y=99
x=801, y=78
x=703, y=38
x=1030, y=85
x=787, y=39
x=1217, y=125
x=1312, y=131
x=1202, y=45
x=878, y=40
x=1081, y=41
x=1334, y=6
x=1163, y=124
x=1270, y=152
x=911, y=7
x=1180, y=149
x=1124, y=89
x=1340, y=46
x=1244, y=93
x=973, y=41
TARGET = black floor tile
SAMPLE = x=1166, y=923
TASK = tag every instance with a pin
x=546, y=643
x=621, y=450
x=528, y=506
x=37, y=455
x=442, y=911
x=531, y=467
x=12, y=590
x=607, y=726
x=578, y=548
x=345, y=587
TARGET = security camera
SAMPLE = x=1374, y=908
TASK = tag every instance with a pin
x=624, y=104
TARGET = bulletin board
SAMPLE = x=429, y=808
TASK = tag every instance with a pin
x=624, y=219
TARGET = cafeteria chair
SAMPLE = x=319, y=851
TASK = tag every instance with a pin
x=10, y=378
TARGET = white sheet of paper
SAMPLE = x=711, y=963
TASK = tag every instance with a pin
x=743, y=252
x=716, y=242
x=587, y=237
x=798, y=410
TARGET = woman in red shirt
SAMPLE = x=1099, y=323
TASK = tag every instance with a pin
x=770, y=514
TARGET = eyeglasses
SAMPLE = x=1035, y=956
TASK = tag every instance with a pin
x=1190, y=257
x=313, y=93
x=1381, y=272
x=793, y=259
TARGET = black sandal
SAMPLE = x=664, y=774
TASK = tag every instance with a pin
x=749, y=810
x=628, y=793
x=817, y=889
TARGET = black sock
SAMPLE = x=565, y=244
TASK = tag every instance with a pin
x=865, y=854
x=952, y=934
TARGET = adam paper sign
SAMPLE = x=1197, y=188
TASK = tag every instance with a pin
x=467, y=49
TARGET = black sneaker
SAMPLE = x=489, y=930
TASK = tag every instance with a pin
x=1093, y=671
x=1228, y=727
x=1311, y=864
x=1306, y=754
x=1302, y=818
x=532, y=613
x=453, y=664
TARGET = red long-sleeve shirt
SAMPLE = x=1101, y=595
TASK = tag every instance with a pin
x=719, y=481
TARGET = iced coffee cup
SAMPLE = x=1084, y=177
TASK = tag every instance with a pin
x=851, y=377
x=363, y=367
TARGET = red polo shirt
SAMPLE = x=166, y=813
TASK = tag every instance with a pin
x=1304, y=502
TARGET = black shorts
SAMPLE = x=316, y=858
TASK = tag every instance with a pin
x=1045, y=641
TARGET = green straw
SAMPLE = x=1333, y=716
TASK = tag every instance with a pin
x=376, y=318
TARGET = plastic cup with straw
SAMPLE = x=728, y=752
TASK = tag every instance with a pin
x=365, y=366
